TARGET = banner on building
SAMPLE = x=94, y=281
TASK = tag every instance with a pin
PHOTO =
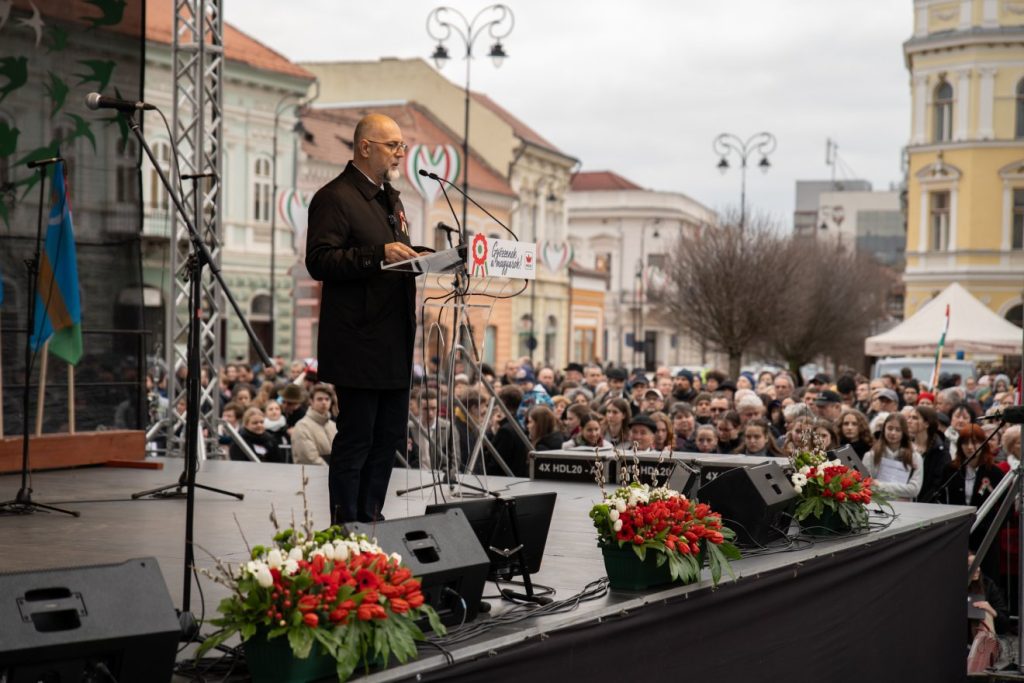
x=556, y=255
x=443, y=160
x=489, y=257
x=293, y=210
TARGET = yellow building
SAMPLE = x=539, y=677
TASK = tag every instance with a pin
x=965, y=190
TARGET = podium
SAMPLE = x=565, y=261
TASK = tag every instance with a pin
x=447, y=261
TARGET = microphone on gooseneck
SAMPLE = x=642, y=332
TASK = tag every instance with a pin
x=443, y=181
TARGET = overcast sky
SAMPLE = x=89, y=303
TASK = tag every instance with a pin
x=643, y=87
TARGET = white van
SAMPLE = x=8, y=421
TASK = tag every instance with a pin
x=922, y=367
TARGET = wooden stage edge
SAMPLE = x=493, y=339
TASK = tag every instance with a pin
x=57, y=451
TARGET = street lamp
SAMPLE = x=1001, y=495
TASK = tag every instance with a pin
x=639, y=295
x=533, y=286
x=499, y=25
x=762, y=143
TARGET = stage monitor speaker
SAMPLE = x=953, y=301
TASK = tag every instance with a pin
x=444, y=553
x=754, y=502
x=848, y=456
x=112, y=622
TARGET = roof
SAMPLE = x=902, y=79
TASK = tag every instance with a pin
x=589, y=181
x=238, y=46
x=332, y=127
x=973, y=327
x=521, y=130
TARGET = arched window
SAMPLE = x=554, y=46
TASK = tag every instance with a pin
x=943, y=131
x=259, y=307
x=158, y=198
x=261, y=188
x=550, y=338
x=1020, y=108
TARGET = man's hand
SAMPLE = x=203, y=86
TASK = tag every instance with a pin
x=397, y=251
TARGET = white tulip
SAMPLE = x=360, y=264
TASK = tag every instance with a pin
x=295, y=553
x=263, y=576
x=275, y=559
x=291, y=567
x=396, y=557
x=341, y=552
x=620, y=505
x=805, y=469
x=613, y=514
x=617, y=526
x=798, y=489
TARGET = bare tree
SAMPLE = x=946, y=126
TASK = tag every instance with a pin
x=727, y=286
x=832, y=301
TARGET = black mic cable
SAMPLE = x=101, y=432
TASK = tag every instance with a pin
x=442, y=182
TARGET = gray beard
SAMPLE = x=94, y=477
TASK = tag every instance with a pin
x=393, y=175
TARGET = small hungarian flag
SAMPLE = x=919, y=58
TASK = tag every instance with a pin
x=58, y=314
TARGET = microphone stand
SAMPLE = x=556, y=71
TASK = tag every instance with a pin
x=23, y=503
x=199, y=257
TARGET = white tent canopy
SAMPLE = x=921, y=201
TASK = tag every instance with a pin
x=973, y=328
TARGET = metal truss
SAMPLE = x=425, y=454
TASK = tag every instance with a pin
x=197, y=56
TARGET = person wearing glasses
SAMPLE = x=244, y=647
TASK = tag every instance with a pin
x=367, y=319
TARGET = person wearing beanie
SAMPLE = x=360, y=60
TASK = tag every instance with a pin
x=682, y=386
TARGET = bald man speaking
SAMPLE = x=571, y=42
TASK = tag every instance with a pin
x=367, y=319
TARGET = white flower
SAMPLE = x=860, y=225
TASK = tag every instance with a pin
x=613, y=514
x=617, y=526
x=620, y=505
x=798, y=489
x=799, y=479
x=275, y=559
x=291, y=566
x=396, y=557
x=805, y=469
x=327, y=550
x=341, y=551
x=263, y=576
x=295, y=553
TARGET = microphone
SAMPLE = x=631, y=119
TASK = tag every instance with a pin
x=432, y=176
x=1011, y=415
x=94, y=101
x=44, y=162
x=447, y=228
x=443, y=182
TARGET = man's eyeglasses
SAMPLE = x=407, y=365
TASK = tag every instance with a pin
x=393, y=146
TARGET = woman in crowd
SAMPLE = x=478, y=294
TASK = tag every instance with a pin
x=896, y=468
x=574, y=416
x=960, y=416
x=854, y=431
x=665, y=436
x=728, y=425
x=757, y=439
x=706, y=439
x=543, y=429
x=825, y=436
x=926, y=438
x=616, y=420
x=276, y=424
x=266, y=394
x=255, y=436
x=591, y=434
x=561, y=404
x=684, y=423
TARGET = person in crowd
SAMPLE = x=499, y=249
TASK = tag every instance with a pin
x=927, y=439
x=544, y=429
x=910, y=392
x=367, y=316
x=783, y=384
x=706, y=439
x=293, y=404
x=960, y=415
x=1009, y=452
x=617, y=414
x=992, y=619
x=546, y=378
x=506, y=439
x=642, y=432
x=854, y=431
x=682, y=386
x=468, y=424
x=231, y=414
x=314, y=434
x=255, y=436
x=560, y=405
x=684, y=424
x=749, y=407
x=825, y=436
x=719, y=406
x=863, y=400
x=593, y=375
x=729, y=436
x=616, y=386
x=242, y=394
x=828, y=405
x=926, y=398
x=775, y=416
x=574, y=373
x=757, y=439
x=846, y=387
x=809, y=395
x=276, y=424
x=574, y=416
x=654, y=402
x=883, y=401
x=591, y=434
x=745, y=381
x=637, y=388
x=533, y=394
x=898, y=470
x=702, y=408
x=664, y=436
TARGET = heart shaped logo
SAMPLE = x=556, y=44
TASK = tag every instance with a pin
x=442, y=159
x=293, y=209
x=556, y=255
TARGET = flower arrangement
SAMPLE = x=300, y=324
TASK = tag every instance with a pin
x=341, y=592
x=827, y=488
x=663, y=521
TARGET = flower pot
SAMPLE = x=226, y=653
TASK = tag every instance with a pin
x=626, y=571
x=828, y=524
x=272, y=661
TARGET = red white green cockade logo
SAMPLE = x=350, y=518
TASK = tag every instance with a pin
x=479, y=265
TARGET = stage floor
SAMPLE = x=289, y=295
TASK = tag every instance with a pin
x=112, y=528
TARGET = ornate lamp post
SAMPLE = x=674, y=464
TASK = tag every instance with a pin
x=550, y=181
x=726, y=143
x=498, y=24
x=639, y=334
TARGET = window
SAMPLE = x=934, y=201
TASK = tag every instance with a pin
x=658, y=261
x=1020, y=109
x=5, y=161
x=943, y=131
x=261, y=187
x=127, y=179
x=1017, y=235
x=584, y=341
x=550, y=338
x=158, y=199
x=940, y=221
x=490, y=344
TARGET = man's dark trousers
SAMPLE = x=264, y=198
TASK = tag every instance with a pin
x=372, y=426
